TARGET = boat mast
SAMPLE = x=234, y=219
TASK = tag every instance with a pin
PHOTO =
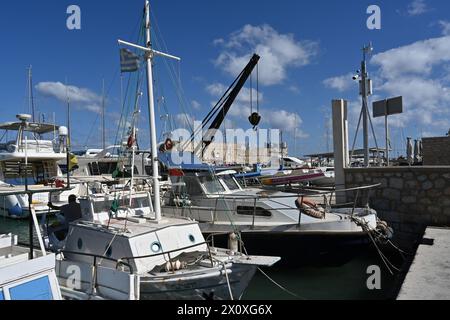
x=149, y=54
x=103, y=116
x=151, y=106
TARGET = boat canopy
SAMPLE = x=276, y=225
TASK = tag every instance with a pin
x=39, y=128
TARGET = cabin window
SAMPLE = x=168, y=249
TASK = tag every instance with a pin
x=80, y=244
x=2, y=297
x=99, y=168
x=248, y=211
x=192, y=186
x=211, y=184
x=136, y=203
x=192, y=238
x=38, y=289
x=230, y=182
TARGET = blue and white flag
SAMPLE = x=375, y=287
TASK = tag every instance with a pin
x=129, y=62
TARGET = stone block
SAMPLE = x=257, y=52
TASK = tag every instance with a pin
x=422, y=178
x=391, y=194
x=427, y=185
x=439, y=184
x=434, y=210
x=409, y=199
x=396, y=183
x=411, y=184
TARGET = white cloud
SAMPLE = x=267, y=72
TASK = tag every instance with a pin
x=276, y=118
x=83, y=98
x=294, y=89
x=243, y=99
x=278, y=52
x=340, y=83
x=418, y=73
x=284, y=120
x=183, y=120
x=445, y=25
x=418, y=58
x=417, y=7
x=196, y=105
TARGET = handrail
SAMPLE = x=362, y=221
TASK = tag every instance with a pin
x=97, y=256
x=127, y=264
x=316, y=193
x=165, y=252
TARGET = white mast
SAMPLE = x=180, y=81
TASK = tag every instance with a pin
x=149, y=54
x=151, y=106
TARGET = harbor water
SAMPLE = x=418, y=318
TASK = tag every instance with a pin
x=344, y=282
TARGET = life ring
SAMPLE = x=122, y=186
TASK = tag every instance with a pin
x=310, y=208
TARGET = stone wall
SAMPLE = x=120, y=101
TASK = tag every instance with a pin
x=409, y=198
x=436, y=151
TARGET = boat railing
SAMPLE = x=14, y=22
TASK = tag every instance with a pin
x=126, y=261
x=328, y=196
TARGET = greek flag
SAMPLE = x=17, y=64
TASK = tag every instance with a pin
x=129, y=62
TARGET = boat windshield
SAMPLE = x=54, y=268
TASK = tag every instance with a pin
x=18, y=174
x=136, y=203
x=230, y=182
x=211, y=184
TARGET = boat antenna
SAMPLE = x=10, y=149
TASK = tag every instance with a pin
x=30, y=93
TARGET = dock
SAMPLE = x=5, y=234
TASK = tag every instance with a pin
x=429, y=275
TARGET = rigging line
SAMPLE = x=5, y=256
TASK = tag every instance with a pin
x=91, y=130
x=251, y=94
x=177, y=84
x=272, y=280
x=175, y=81
x=122, y=112
x=216, y=108
x=356, y=135
x=373, y=132
x=124, y=103
x=257, y=87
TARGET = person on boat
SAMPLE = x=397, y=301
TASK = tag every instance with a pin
x=70, y=211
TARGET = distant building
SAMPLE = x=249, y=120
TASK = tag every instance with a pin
x=232, y=153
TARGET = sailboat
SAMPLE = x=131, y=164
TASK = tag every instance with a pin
x=123, y=247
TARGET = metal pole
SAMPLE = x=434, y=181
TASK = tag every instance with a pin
x=30, y=201
x=103, y=116
x=30, y=87
x=151, y=105
x=387, y=137
x=365, y=111
x=30, y=226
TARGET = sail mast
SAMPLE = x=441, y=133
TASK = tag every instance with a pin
x=103, y=116
x=151, y=106
x=149, y=54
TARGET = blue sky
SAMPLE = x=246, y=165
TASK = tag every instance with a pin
x=308, y=49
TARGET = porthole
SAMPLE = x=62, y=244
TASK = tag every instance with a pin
x=156, y=247
x=80, y=244
x=192, y=238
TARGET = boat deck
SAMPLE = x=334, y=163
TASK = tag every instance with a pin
x=134, y=226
